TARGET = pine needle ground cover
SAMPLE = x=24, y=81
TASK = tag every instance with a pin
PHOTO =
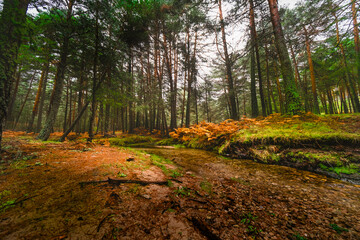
x=64, y=190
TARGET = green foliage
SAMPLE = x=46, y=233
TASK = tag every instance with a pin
x=161, y=162
x=298, y=237
x=240, y=180
x=175, y=174
x=246, y=218
x=183, y=191
x=166, y=142
x=5, y=204
x=120, y=174
x=337, y=228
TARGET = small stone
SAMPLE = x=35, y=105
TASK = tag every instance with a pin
x=146, y=196
x=130, y=159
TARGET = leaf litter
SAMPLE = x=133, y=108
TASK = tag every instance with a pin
x=213, y=198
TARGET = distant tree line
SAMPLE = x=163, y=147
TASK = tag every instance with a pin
x=100, y=66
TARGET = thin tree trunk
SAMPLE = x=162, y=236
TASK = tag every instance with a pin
x=312, y=73
x=191, y=77
x=354, y=11
x=255, y=45
x=229, y=77
x=352, y=85
x=42, y=101
x=254, y=103
x=66, y=106
x=13, y=96
x=186, y=77
x=25, y=100
x=269, y=88
x=93, y=100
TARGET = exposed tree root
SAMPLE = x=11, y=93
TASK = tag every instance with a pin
x=117, y=182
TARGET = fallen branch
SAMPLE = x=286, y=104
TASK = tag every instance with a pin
x=117, y=182
x=102, y=221
x=5, y=206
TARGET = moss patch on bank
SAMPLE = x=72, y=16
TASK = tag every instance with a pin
x=308, y=141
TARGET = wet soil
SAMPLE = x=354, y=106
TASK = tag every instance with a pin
x=215, y=198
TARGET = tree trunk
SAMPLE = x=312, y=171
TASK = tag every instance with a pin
x=25, y=100
x=269, y=88
x=312, y=73
x=59, y=82
x=186, y=75
x=191, y=76
x=42, y=101
x=356, y=38
x=233, y=114
x=66, y=106
x=173, y=89
x=254, y=103
x=352, y=85
x=94, y=80
x=13, y=95
x=255, y=45
x=11, y=23
x=293, y=103
x=331, y=102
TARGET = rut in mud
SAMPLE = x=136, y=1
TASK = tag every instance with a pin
x=213, y=197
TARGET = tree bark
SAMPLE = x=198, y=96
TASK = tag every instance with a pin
x=255, y=45
x=24, y=102
x=38, y=96
x=254, y=103
x=293, y=103
x=59, y=82
x=269, y=88
x=312, y=73
x=41, y=104
x=352, y=85
x=191, y=75
x=11, y=23
x=356, y=38
x=94, y=80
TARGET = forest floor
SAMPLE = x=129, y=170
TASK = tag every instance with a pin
x=43, y=195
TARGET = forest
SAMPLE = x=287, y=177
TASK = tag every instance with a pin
x=189, y=119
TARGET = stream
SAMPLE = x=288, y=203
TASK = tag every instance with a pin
x=211, y=165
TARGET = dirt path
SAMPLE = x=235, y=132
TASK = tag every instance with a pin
x=41, y=197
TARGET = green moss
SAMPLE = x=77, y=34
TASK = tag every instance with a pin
x=131, y=140
x=166, y=142
x=161, y=162
x=338, y=229
x=206, y=186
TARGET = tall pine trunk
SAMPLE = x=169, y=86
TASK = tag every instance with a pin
x=59, y=81
x=234, y=113
x=354, y=11
x=255, y=45
x=11, y=23
x=312, y=73
x=293, y=103
x=38, y=96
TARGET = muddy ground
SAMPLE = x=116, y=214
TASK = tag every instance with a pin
x=211, y=197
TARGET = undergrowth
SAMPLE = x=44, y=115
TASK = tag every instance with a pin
x=131, y=140
x=275, y=129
